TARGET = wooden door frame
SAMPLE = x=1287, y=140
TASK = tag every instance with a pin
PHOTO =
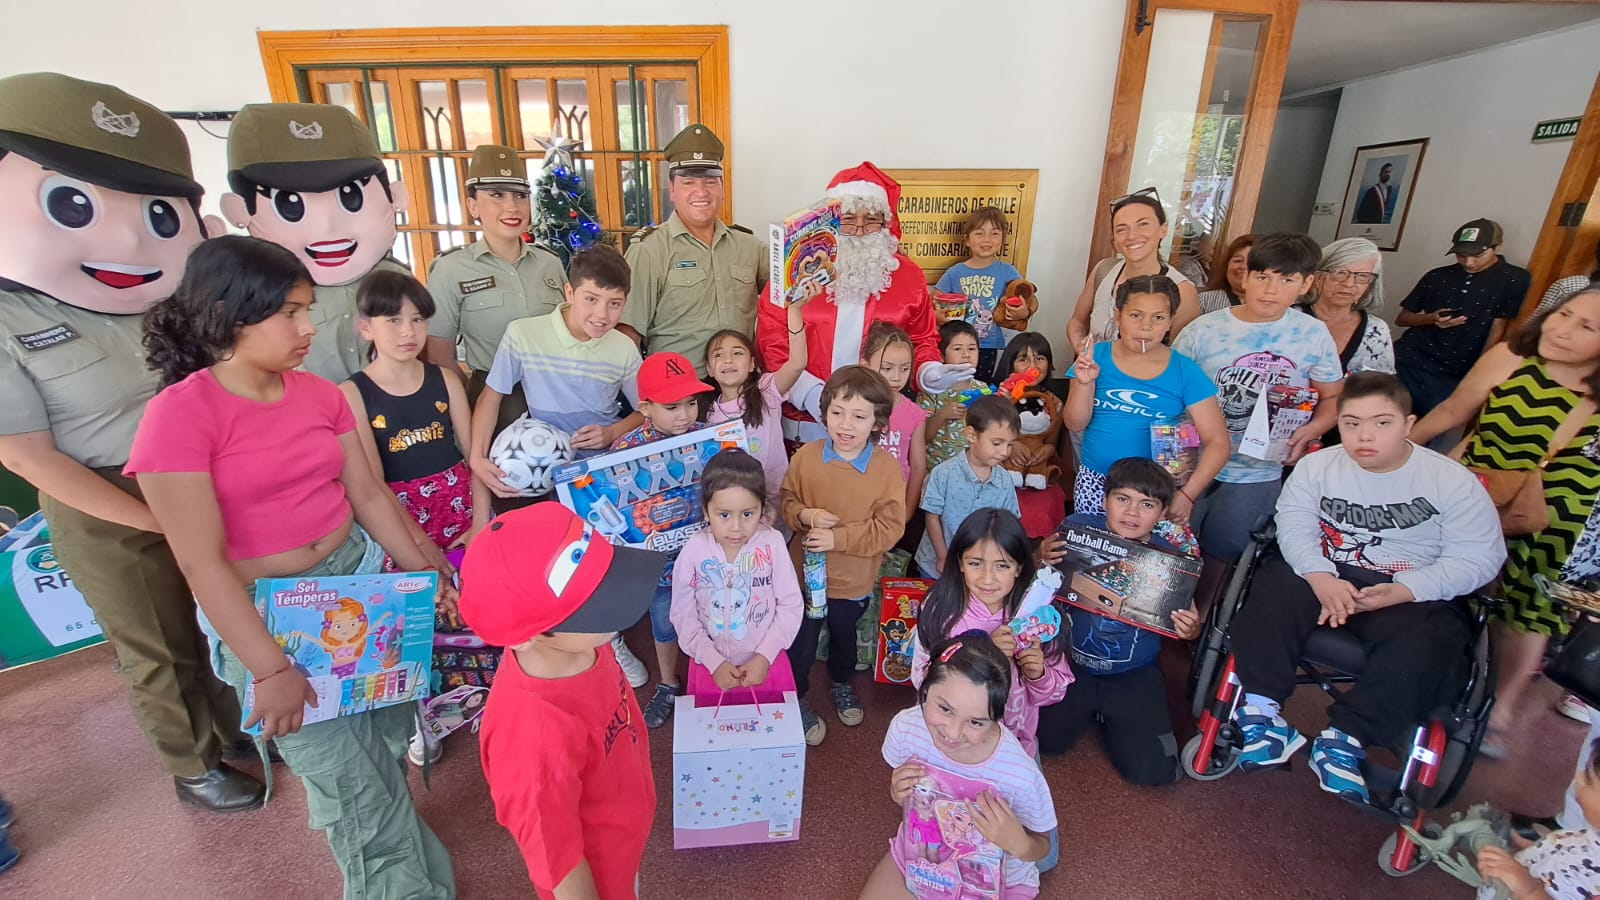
x=1267, y=86
x=1561, y=247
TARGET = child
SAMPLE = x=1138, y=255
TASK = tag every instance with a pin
x=567, y=764
x=956, y=726
x=983, y=277
x=889, y=352
x=1121, y=387
x=1561, y=864
x=414, y=424
x=988, y=568
x=736, y=601
x=1377, y=536
x=971, y=481
x=846, y=500
x=757, y=397
x=1118, y=680
x=571, y=363
x=1028, y=350
x=1245, y=350
x=946, y=436
x=669, y=395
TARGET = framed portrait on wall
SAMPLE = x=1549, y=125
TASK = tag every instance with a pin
x=1378, y=197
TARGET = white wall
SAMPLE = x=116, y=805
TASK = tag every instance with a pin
x=1299, y=149
x=907, y=84
x=1478, y=112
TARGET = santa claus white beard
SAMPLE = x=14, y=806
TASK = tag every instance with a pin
x=865, y=263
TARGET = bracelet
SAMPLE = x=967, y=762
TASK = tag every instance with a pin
x=1186, y=495
x=800, y=330
x=286, y=667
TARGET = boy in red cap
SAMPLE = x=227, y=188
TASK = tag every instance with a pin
x=567, y=764
x=668, y=397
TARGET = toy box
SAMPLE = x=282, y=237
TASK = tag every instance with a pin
x=1175, y=446
x=897, y=627
x=805, y=250
x=738, y=773
x=364, y=641
x=946, y=857
x=1280, y=411
x=42, y=615
x=1126, y=580
x=647, y=497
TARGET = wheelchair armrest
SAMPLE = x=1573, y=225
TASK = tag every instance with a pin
x=1265, y=531
x=1481, y=606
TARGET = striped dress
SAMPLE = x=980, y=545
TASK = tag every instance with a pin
x=1514, y=432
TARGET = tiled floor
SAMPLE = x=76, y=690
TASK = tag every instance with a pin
x=97, y=819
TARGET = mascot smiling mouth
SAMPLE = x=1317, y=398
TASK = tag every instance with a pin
x=120, y=276
x=331, y=253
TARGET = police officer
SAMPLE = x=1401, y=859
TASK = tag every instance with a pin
x=309, y=177
x=693, y=276
x=98, y=212
x=487, y=285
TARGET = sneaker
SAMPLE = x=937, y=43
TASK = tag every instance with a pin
x=632, y=668
x=8, y=813
x=814, y=728
x=846, y=704
x=423, y=746
x=659, y=709
x=1573, y=708
x=1336, y=757
x=1268, y=739
x=9, y=854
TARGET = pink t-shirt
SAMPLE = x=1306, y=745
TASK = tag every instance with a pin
x=275, y=466
x=903, y=423
x=766, y=442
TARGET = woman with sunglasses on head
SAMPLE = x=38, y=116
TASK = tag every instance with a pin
x=1138, y=226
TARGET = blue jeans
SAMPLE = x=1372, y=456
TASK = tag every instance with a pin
x=1054, y=856
x=660, y=615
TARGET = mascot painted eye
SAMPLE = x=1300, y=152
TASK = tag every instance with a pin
x=68, y=202
x=162, y=219
x=353, y=195
x=290, y=206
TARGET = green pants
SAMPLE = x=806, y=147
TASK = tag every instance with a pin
x=355, y=778
x=147, y=612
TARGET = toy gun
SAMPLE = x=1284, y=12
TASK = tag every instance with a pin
x=1014, y=386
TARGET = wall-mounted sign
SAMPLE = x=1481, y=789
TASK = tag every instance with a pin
x=934, y=203
x=1556, y=130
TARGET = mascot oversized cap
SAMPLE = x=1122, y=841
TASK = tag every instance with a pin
x=869, y=182
x=301, y=146
x=96, y=133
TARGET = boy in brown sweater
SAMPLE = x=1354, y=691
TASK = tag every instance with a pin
x=846, y=499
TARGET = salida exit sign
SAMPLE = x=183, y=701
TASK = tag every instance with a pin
x=1556, y=130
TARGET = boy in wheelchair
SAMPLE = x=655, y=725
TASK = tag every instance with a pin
x=1377, y=536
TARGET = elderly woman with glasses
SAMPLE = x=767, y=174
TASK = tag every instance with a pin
x=1347, y=295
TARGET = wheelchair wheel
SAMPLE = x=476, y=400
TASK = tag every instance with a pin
x=1386, y=854
x=1224, y=759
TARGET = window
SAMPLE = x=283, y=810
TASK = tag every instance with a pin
x=430, y=96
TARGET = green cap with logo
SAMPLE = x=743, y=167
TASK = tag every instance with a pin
x=96, y=133
x=301, y=146
x=696, y=150
x=493, y=165
x=1475, y=237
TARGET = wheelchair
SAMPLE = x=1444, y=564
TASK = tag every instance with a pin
x=1443, y=748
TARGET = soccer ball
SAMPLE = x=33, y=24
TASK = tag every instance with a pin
x=529, y=451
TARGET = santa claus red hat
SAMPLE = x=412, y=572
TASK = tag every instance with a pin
x=869, y=182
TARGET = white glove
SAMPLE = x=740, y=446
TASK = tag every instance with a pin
x=811, y=402
x=936, y=377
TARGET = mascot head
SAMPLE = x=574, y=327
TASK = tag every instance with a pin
x=308, y=177
x=98, y=203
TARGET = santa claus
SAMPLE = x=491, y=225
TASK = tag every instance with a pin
x=876, y=282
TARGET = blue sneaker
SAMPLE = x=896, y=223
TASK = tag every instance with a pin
x=8, y=813
x=1336, y=757
x=1268, y=739
x=9, y=854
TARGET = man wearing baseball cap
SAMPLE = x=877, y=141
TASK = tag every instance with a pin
x=1457, y=312
x=567, y=762
x=669, y=392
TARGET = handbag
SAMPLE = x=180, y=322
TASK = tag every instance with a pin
x=1518, y=494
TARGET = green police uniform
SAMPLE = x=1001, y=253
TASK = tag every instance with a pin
x=477, y=293
x=684, y=290
x=81, y=376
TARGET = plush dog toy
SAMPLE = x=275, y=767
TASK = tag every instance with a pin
x=1017, y=305
x=1032, y=462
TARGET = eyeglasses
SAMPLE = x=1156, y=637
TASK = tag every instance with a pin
x=869, y=225
x=1347, y=275
x=1142, y=192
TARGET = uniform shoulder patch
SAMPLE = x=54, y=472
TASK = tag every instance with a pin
x=447, y=253
x=737, y=227
x=642, y=233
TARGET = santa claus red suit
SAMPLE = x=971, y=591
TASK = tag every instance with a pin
x=876, y=282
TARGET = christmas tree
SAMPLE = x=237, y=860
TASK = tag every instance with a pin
x=563, y=211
